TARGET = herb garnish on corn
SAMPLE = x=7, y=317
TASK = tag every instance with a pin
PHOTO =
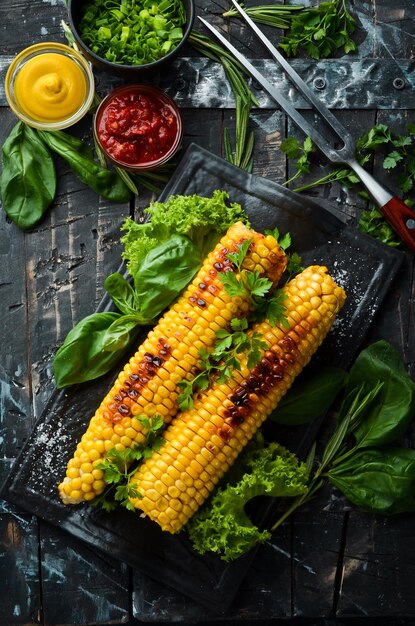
x=203, y=442
x=148, y=384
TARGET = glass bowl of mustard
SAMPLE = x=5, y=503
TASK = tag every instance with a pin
x=49, y=86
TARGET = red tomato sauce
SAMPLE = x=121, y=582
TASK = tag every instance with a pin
x=137, y=128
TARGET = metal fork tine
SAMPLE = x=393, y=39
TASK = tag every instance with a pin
x=331, y=120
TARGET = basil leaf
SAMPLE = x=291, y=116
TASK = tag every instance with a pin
x=82, y=356
x=121, y=293
x=28, y=181
x=118, y=335
x=378, y=480
x=104, y=182
x=163, y=273
x=311, y=395
x=388, y=416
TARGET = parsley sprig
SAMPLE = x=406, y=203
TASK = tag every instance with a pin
x=119, y=465
x=230, y=344
x=292, y=148
x=294, y=265
x=251, y=285
x=321, y=31
x=248, y=284
x=224, y=359
x=397, y=152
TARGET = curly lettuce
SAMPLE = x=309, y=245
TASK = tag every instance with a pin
x=202, y=220
x=222, y=525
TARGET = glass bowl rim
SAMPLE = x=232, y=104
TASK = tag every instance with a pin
x=36, y=50
x=141, y=88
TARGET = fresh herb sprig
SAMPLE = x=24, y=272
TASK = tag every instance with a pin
x=241, y=282
x=242, y=156
x=254, y=287
x=294, y=150
x=275, y=15
x=244, y=99
x=224, y=359
x=119, y=465
x=373, y=223
x=294, y=263
x=397, y=149
x=377, y=408
x=301, y=155
x=398, y=162
x=321, y=31
x=235, y=71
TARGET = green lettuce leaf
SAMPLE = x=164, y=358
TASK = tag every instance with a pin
x=203, y=220
x=222, y=525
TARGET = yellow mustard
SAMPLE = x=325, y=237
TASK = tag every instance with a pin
x=50, y=87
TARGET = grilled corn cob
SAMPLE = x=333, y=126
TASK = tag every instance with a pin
x=148, y=384
x=202, y=443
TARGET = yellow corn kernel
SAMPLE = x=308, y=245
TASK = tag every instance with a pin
x=204, y=458
x=147, y=385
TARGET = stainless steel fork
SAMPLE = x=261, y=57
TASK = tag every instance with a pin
x=397, y=213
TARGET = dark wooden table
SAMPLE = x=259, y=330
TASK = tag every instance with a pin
x=327, y=563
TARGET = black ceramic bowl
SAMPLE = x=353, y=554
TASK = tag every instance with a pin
x=75, y=12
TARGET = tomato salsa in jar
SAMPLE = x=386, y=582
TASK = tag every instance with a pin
x=138, y=127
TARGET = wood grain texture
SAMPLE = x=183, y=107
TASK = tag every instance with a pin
x=317, y=539
x=379, y=557
x=19, y=565
x=19, y=570
x=327, y=562
x=80, y=586
x=265, y=592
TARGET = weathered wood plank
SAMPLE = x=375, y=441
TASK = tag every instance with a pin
x=316, y=541
x=378, y=567
x=19, y=570
x=78, y=585
x=265, y=592
x=25, y=23
x=19, y=541
x=69, y=254
x=15, y=418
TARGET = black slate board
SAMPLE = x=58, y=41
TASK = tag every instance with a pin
x=360, y=264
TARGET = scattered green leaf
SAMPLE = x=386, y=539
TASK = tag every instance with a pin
x=222, y=526
x=119, y=465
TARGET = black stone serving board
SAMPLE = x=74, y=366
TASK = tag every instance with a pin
x=364, y=267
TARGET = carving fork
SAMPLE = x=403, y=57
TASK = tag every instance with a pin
x=398, y=214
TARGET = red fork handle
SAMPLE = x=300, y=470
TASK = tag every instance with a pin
x=399, y=216
x=402, y=220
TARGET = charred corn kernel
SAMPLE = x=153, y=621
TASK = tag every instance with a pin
x=148, y=384
x=247, y=398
